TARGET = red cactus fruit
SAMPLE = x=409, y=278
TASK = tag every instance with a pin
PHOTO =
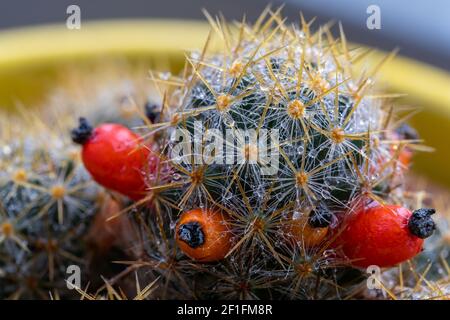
x=203, y=235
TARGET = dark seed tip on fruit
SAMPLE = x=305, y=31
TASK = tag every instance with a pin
x=407, y=132
x=319, y=220
x=152, y=112
x=192, y=234
x=83, y=132
x=421, y=224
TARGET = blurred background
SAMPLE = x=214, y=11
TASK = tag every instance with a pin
x=420, y=28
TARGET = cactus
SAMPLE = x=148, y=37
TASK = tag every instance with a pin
x=48, y=201
x=338, y=147
x=310, y=142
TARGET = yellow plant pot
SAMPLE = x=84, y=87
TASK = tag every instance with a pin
x=32, y=60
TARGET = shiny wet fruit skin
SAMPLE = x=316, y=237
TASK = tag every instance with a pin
x=209, y=235
x=379, y=235
x=115, y=158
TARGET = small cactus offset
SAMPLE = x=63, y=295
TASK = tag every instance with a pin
x=271, y=167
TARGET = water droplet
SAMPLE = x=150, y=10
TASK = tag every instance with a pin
x=164, y=75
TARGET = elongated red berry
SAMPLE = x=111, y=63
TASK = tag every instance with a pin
x=385, y=235
x=115, y=157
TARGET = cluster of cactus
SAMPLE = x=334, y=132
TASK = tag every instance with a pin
x=236, y=182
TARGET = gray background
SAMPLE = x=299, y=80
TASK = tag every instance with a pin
x=420, y=28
